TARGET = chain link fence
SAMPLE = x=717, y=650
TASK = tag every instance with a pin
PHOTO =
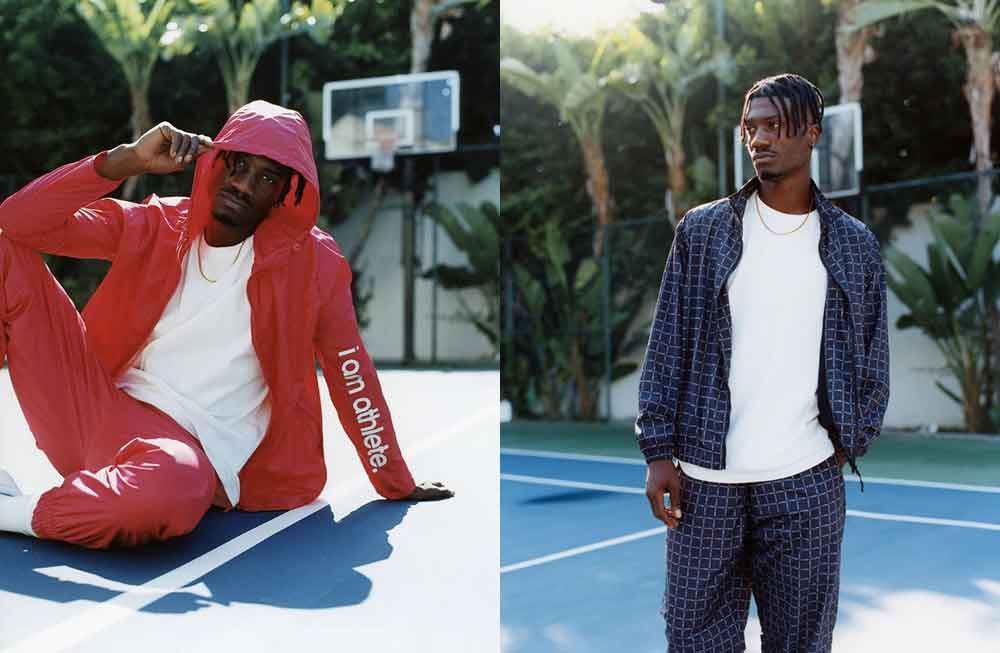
x=575, y=308
x=575, y=317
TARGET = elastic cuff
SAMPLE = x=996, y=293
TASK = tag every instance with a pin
x=98, y=159
x=408, y=492
x=41, y=519
x=112, y=184
x=658, y=452
x=394, y=490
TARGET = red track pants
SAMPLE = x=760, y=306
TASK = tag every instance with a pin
x=131, y=474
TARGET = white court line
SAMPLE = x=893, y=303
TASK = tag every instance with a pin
x=573, y=484
x=986, y=526
x=876, y=480
x=71, y=632
x=603, y=544
x=559, y=455
x=913, y=519
x=568, y=553
x=961, y=487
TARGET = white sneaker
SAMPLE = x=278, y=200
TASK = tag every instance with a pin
x=7, y=485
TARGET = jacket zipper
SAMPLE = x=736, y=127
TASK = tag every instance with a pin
x=729, y=399
x=851, y=461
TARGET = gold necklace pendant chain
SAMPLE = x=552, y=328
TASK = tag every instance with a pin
x=760, y=214
x=238, y=252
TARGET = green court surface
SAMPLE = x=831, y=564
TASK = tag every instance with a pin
x=946, y=458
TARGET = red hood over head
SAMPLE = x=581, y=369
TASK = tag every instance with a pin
x=267, y=130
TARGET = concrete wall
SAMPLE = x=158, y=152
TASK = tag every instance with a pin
x=382, y=264
x=914, y=361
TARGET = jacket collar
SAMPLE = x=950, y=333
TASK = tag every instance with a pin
x=829, y=218
x=828, y=213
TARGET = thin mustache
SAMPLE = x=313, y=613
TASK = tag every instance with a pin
x=237, y=195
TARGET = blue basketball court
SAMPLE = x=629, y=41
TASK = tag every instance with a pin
x=350, y=571
x=582, y=561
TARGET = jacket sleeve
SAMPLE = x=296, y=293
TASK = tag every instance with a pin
x=661, y=367
x=63, y=213
x=873, y=389
x=355, y=390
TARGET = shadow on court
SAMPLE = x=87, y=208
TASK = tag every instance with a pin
x=309, y=565
x=567, y=497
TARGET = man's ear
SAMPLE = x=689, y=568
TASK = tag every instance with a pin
x=813, y=132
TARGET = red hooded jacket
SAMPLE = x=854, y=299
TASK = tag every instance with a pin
x=299, y=292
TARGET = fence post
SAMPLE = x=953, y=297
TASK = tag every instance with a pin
x=507, y=330
x=606, y=317
x=863, y=197
x=434, y=260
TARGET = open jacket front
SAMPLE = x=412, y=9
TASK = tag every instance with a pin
x=299, y=293
x=684, y=404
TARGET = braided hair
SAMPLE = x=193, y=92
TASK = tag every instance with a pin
x=804, y=107
x=299, y=189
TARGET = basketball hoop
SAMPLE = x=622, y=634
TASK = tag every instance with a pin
x=383, y=150
x=421, y=109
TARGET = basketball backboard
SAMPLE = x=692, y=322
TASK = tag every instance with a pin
x=400, y=114
x=837, y=160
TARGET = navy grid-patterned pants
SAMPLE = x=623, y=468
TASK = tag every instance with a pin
x=779, y=539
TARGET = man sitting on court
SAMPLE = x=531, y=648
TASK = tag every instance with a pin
x=190, y=380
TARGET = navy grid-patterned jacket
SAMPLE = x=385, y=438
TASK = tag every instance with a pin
x=684, y=399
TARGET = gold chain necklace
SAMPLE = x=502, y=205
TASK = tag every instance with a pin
x=230, y=265
x=780, y=233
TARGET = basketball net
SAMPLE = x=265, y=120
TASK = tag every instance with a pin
x=383, y=150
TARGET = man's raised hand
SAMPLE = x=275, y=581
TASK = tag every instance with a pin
x=165, y=149
x=661, y=478
x=429, y=492
x=161, y=150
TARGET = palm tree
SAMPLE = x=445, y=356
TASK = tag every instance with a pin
x=661, y=76
x=975, y=22
x=132, y=37
x=853, y=52
x=423, y=17
x=241, y=34
x=581, y=98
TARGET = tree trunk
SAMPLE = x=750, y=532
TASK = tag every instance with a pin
x=978, y=92
x=995, y=62
x=975, y=405
x=676, y=179
x=239, y=92
x=851, y=48
x=588, y=404
x=850, y=53
x=599, y=189
x=672, y=142
x=141, y=123
x=421, y=35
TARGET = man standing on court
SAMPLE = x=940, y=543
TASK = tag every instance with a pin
x=767, y=368
x=191, y=379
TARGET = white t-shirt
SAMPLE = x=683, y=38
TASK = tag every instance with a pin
x=199, y=365
x=777, y=295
